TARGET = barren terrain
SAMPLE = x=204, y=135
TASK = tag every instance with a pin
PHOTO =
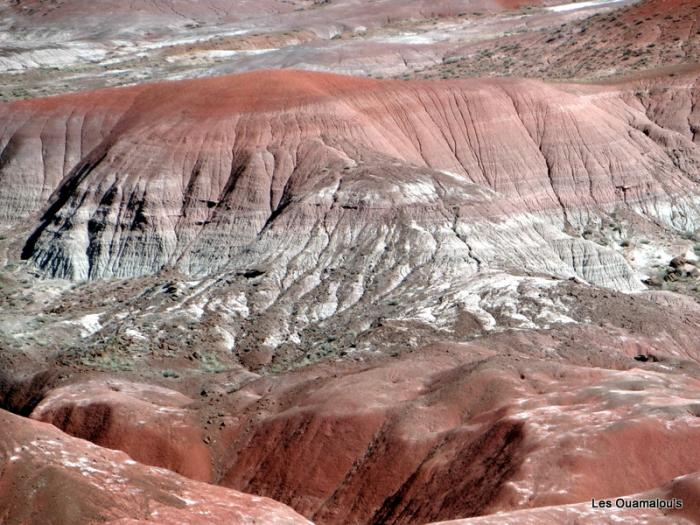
x=43, y=52
x=349, y=262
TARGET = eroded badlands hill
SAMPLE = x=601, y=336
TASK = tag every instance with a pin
x=165, y=175
x=294, y=200
x=522, y=420
x=374, y=301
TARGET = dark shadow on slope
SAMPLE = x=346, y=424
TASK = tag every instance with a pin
x=62, y=195
x=460, y=478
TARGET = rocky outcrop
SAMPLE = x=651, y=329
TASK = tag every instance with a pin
x=47, y=476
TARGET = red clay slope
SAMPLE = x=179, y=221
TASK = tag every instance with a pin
x=49, y=478
x=516, y=420
x=150, y=423
x=684, y=489
x=462, y=430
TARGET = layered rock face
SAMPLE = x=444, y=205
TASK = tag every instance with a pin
x=49, y=477
x=244, y=171
x=43, y=141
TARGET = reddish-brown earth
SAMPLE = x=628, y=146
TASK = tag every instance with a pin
x=43, y=51
x=684, y=488
x=47, y=477
x=377, y=302
x=460, y=431
x=513, y=421
x=646, y=35
x=149, y=423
